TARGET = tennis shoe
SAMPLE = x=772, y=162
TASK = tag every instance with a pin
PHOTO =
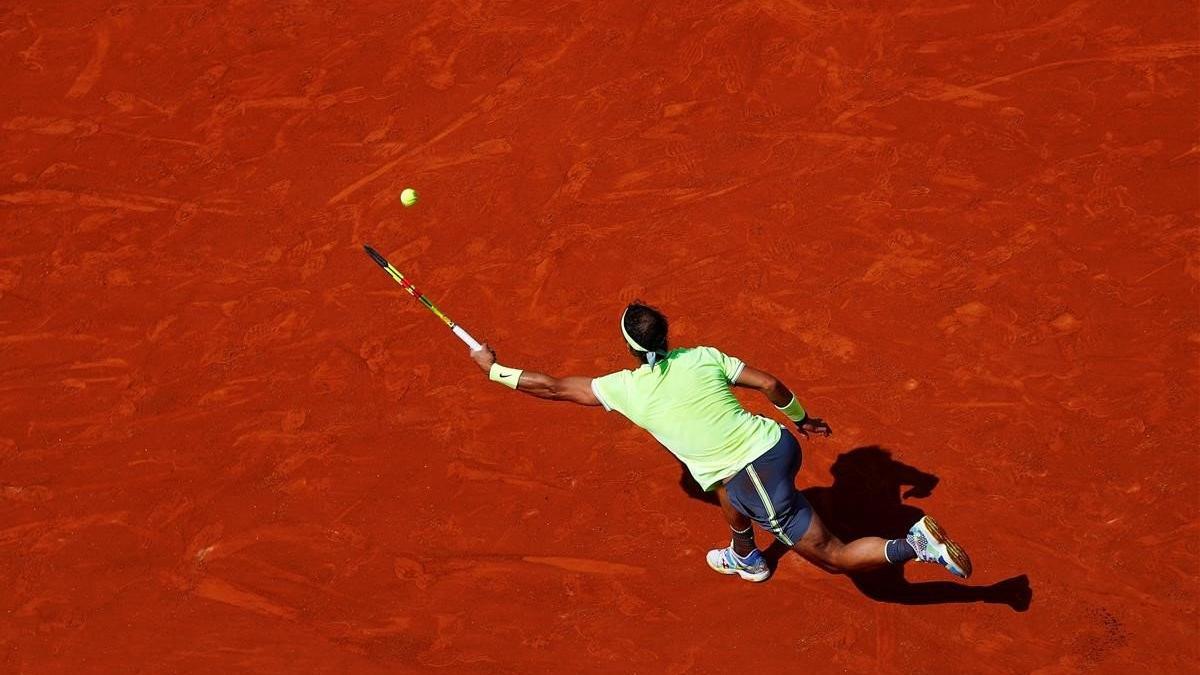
x=933, y=546
x=751, y=568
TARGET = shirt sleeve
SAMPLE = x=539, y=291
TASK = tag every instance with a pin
x=731, y=366
x=611, y=389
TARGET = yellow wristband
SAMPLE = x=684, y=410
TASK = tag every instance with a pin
x=793, y=410
x=506, y=376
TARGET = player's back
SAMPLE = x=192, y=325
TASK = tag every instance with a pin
x=685, y=401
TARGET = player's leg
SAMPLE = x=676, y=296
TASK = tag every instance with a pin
x=818, y=546
x=926, y=542
x=743, y=499
x=739, y=525
x=742, y=556
x=766, y=491
x=798, y=526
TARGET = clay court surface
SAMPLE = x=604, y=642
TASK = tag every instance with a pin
x=964, y=232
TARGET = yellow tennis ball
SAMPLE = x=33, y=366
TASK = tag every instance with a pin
x=408, y=196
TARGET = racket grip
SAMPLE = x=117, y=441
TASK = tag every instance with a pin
x=466, y=337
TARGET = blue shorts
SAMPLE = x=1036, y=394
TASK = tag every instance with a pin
x=765, y=491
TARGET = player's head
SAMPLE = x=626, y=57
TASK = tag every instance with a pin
x=645, y=330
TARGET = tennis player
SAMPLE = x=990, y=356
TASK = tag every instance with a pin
x=683, y=398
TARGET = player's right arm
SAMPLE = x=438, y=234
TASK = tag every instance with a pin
x=783, y=399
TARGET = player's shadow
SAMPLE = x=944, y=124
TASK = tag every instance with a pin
x=867, y=499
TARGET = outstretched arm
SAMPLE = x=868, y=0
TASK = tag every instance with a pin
x=573, y=389
x=783, y=399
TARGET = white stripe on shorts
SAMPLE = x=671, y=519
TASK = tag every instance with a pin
x=766, y=500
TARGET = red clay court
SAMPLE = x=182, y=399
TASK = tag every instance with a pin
x=965, y=232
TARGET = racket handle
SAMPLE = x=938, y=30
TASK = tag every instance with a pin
x=466, y=337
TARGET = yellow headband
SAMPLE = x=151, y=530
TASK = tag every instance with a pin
x=651, y=356
x=632, y=343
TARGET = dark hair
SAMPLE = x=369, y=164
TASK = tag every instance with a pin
x=646, y=325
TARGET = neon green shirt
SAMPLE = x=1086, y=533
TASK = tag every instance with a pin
x=685, y=402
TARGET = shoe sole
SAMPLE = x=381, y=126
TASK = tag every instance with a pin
x=755, y=578
x=957, y=555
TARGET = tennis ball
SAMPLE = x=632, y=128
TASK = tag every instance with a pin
x=408, y=196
